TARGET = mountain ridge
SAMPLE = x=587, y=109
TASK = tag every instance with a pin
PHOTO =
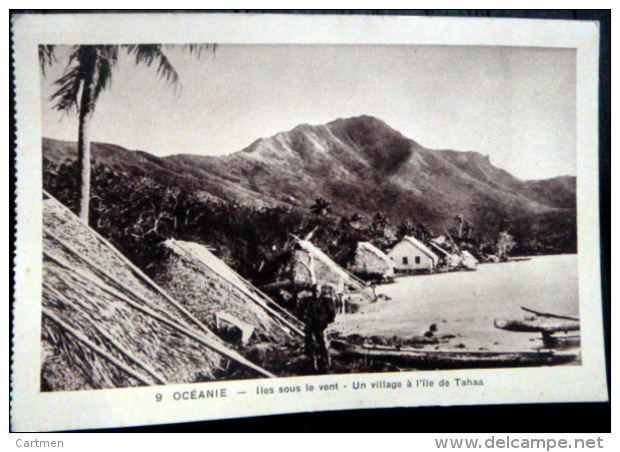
x=362, y=165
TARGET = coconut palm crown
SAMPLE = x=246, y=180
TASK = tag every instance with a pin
x=88, y=73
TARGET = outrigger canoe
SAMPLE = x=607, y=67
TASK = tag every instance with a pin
x=419, y=358
x=537, y=325
x=555, y=329
x=542, y=322
x=519, y=259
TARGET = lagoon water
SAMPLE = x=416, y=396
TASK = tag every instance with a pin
x=465, y=304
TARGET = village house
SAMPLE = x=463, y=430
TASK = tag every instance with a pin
x=219, y=297
x=469, y=261
x=450, y=260
x=411, y=255
x=105, y=324
x=310, y=265
x=372, y=263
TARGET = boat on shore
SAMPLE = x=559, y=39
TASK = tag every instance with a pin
x=518, y=259
x=420, y=358
x=558, y=331
x=540, y=322
x=537, y=325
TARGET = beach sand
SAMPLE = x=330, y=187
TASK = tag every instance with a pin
x=465, y=304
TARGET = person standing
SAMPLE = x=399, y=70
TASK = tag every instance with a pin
x=319, y=311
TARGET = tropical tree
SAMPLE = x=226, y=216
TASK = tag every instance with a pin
x=356, y=217
x=423, y=232
x=406, y=228
x=535, y=240
x=87, y=74
x=321, y=207
x=380, y=221
x=504, y=225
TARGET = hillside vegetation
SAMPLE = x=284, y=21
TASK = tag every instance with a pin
x=247, y=204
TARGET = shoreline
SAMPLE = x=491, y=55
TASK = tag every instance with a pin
x=464, y=305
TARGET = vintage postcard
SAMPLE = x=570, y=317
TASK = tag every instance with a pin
x=224, y=216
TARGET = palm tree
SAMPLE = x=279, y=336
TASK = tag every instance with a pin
x=406, y=228
x=380, y=220
x=423, y=232
x=321, y=207
x=88, y=73
x=379, y=224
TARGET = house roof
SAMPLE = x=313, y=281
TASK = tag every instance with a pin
x=95, y=299
x=311, y=248
x=419, y=245
x=440, y=249
x=376, y=251
x=469, y=255
x=349, y=278
x=252, y=306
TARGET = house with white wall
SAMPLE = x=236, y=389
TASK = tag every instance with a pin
x=410, y=256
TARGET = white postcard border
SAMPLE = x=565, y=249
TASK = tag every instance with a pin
x=35, y=411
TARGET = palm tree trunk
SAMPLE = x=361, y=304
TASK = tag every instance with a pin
x=84, y=166
x=87, y=108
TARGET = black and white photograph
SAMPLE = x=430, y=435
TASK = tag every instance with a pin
x=233, y=211
x=226, y=217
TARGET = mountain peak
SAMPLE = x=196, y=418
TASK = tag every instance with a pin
x=355, y=144
x=362, y=121
x=362, y=165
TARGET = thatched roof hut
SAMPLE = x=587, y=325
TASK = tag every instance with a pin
x=310, y=265
x=371, y=262
x=106, y=324
x=213, y=291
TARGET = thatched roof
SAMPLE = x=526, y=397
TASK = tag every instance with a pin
x=370, y=259
x=105, y=324
x=440, y=249
x=326, y=271
x=369, y=247
x=209, y=287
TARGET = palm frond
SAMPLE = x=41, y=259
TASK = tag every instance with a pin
x=47, y=56
x=108, y=57
x=104, y=76
x=87, y=64
x=148, y=54
x=79, y=68
x=94, y=64
x=199, y=49
x=66, y=97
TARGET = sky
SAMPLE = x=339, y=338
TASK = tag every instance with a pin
x=517, y=105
